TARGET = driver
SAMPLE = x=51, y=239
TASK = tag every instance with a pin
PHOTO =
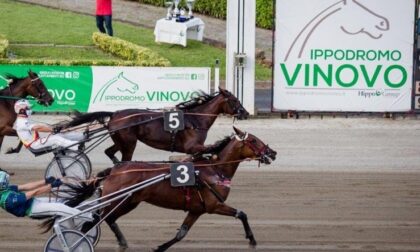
x=20, y=200
x=28, y=132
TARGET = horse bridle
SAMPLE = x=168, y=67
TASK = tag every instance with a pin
x=40, y=93
x=233, y=104
x=259, y=152
x=36, y=82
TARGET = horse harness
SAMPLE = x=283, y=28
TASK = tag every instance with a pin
x=199, y=185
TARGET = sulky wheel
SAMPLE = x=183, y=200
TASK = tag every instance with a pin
x=65, y=166
x=76, y=242
x=94, y=235
x=83, y=158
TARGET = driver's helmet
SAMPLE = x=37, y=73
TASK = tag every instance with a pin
x=4, y=180
x=23, y=107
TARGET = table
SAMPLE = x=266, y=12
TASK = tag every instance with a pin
x=170, y=31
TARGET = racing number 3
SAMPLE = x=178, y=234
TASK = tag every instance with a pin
x=184, y=177
x=182, y=174
x=174, y=120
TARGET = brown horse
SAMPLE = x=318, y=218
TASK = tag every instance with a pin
x=19, y=88
x=147, y=126
x=207, y=196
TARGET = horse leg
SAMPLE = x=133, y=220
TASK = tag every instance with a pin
x=1, y=140
x=8, y=131
x=224, y=209
x=122, y=242
x=127, y=150
x=110, y=152
x=15, y=150
x=182, y=232
x=112, y=218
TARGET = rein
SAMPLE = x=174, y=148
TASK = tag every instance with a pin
x=166, y=168
x=138, y=123
x=5, y=97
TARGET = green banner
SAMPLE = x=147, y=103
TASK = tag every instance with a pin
x=71, y=87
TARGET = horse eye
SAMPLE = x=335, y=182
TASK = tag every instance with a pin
x=254, y=141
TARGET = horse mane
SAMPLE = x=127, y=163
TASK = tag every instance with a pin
x=215, y=149
x=15, y=79
x=197, y=101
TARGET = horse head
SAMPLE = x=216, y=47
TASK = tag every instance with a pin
x=370, y=23
x=232, y=106
x=253, y=147
x=125, y=85
x=35, y=87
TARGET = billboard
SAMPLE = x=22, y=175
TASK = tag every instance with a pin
x=87, y=89
x=348, y=55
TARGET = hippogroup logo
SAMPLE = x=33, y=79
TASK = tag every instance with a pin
x=118, y=88
x=350, y=16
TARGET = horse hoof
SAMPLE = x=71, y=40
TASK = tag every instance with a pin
x=122, y=248
x=10, y=151
x=253, y=244
x=158, y=249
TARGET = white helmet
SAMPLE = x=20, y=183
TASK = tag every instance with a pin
x=4, y=180
x=23, y=105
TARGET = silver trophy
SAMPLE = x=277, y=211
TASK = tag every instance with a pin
x=176, y=10
x=190, y=4
x=169, y=6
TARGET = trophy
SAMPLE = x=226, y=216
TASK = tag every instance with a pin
x=169, y=14
x=190, y=4
x=176, y=10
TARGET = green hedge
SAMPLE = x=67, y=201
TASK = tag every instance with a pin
x=217, y=8
x=4, y=44
x=67, y=62
x=142, y=56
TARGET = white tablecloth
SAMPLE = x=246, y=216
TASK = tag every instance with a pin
x=170, y=31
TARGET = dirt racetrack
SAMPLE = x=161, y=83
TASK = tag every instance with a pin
x=337, y=185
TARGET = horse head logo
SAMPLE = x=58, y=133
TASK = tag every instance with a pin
x=352, y=17
x=118, y=83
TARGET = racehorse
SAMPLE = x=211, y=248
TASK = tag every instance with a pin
x=207, y=196
x=19, y=88
x=147, y=126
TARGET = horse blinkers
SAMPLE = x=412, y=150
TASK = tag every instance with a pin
x=238, y=110
x=43, y=96
x=265, y=153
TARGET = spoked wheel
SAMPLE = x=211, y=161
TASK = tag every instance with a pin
x=81, y=157
x=66, y=166
x=94, y=235
x=75, y=241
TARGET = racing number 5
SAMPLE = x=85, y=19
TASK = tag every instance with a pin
x=174, y=120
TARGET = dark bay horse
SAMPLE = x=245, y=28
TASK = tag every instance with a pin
x=147, y=126
x=19, y=88
x=207, y=196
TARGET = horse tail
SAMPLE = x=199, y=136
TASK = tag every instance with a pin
x=80, y=118
x=75, y=194
x=48, y=224
x=79, y=192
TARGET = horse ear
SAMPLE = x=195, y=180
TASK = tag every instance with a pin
x=238, y=131
x=222, y=91
x=30, y=73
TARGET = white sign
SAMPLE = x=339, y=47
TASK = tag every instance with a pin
x=116, y=88
x=348, y=55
